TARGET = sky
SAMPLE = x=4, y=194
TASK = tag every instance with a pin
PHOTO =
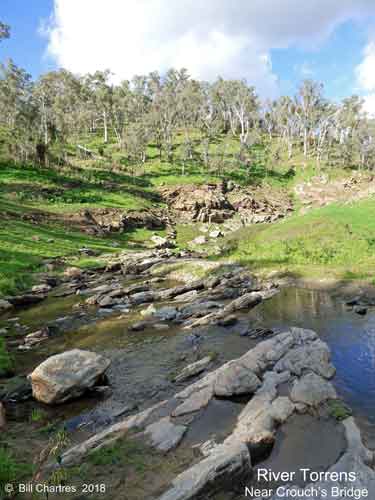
x=273, y=44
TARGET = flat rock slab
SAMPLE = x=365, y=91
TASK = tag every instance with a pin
x=164, y=434
x=67, y=375
x=193, y=369
x=312, y=390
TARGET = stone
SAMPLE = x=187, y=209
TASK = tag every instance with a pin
x=66, y=376
x=199, y=240
x=109, y=435
x=161, y=242
x=228, y=320
x=314, y=357
x=224, y=465
x=73, y=272
x=166, y=313
x=26, y=300
x=139, y=326
x=44, y=288
x=149, y=311
x=164, y=435
x=193, y=403
x=216, y=234
x=312, y=390
x=5, y=305
x=235, y=380
x=187, y=296
x=15, y=389
x=193, y=369
x=361, y=310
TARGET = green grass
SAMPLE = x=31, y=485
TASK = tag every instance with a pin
x=6, y=363
x=125, y=452
x=337, y=240
x=24, y=246
x=11, y=471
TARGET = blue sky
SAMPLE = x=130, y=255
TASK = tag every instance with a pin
x=273, y=48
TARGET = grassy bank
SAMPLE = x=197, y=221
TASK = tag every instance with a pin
x=335, y=241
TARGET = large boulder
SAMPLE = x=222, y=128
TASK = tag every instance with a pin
x=67, y=375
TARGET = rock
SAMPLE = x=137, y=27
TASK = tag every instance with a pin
x=187, y=296
x=5, y=305
x=361, y=310
x=245, y=301
x=164, y=434
x=107, y=301
x=109, y=435
x=315, y=357
x=139, y=326
x=224, y=465
x=149, y=311
x=199, y=240
x=66, y=376
x=73, y=272
x=166, y=313
x=26, y=299
x=15, y=389
x=228, y=320
x=44, y=288
x=142, y=298
x=312, y=390
x=37, y=337
x=216, y=234
x=193, y=403
x=235, y=380
x=193, y=369
x=161, y=242
x=256, y=333
x=212, y=282
x=160, y=326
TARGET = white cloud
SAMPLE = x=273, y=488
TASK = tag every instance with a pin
x=366, y=70
x=369, y=105
x=366, y=76
x=212, y=37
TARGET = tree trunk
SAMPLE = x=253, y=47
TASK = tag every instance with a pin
x=105, y=124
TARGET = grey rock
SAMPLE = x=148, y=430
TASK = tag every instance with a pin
x=235, y=380
x=229, y=320
x=164, y=434
x=193, y=403
x=312, y=390
x=67, y=375
x=193, y=369
x=225, y=464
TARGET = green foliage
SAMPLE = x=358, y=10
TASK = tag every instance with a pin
x=338, y=409
x=125, y=452
x=6, y=362
x=11, y=470
x=37, y=415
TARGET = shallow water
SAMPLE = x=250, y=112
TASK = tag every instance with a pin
x=143, y=361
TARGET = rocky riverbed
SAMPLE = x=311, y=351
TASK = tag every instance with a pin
x=166, y=356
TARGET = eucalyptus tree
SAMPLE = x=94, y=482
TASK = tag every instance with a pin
x=100, y=97
x=4, y=31
x=309, y=101
x=59, y=97
x=17, y=111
